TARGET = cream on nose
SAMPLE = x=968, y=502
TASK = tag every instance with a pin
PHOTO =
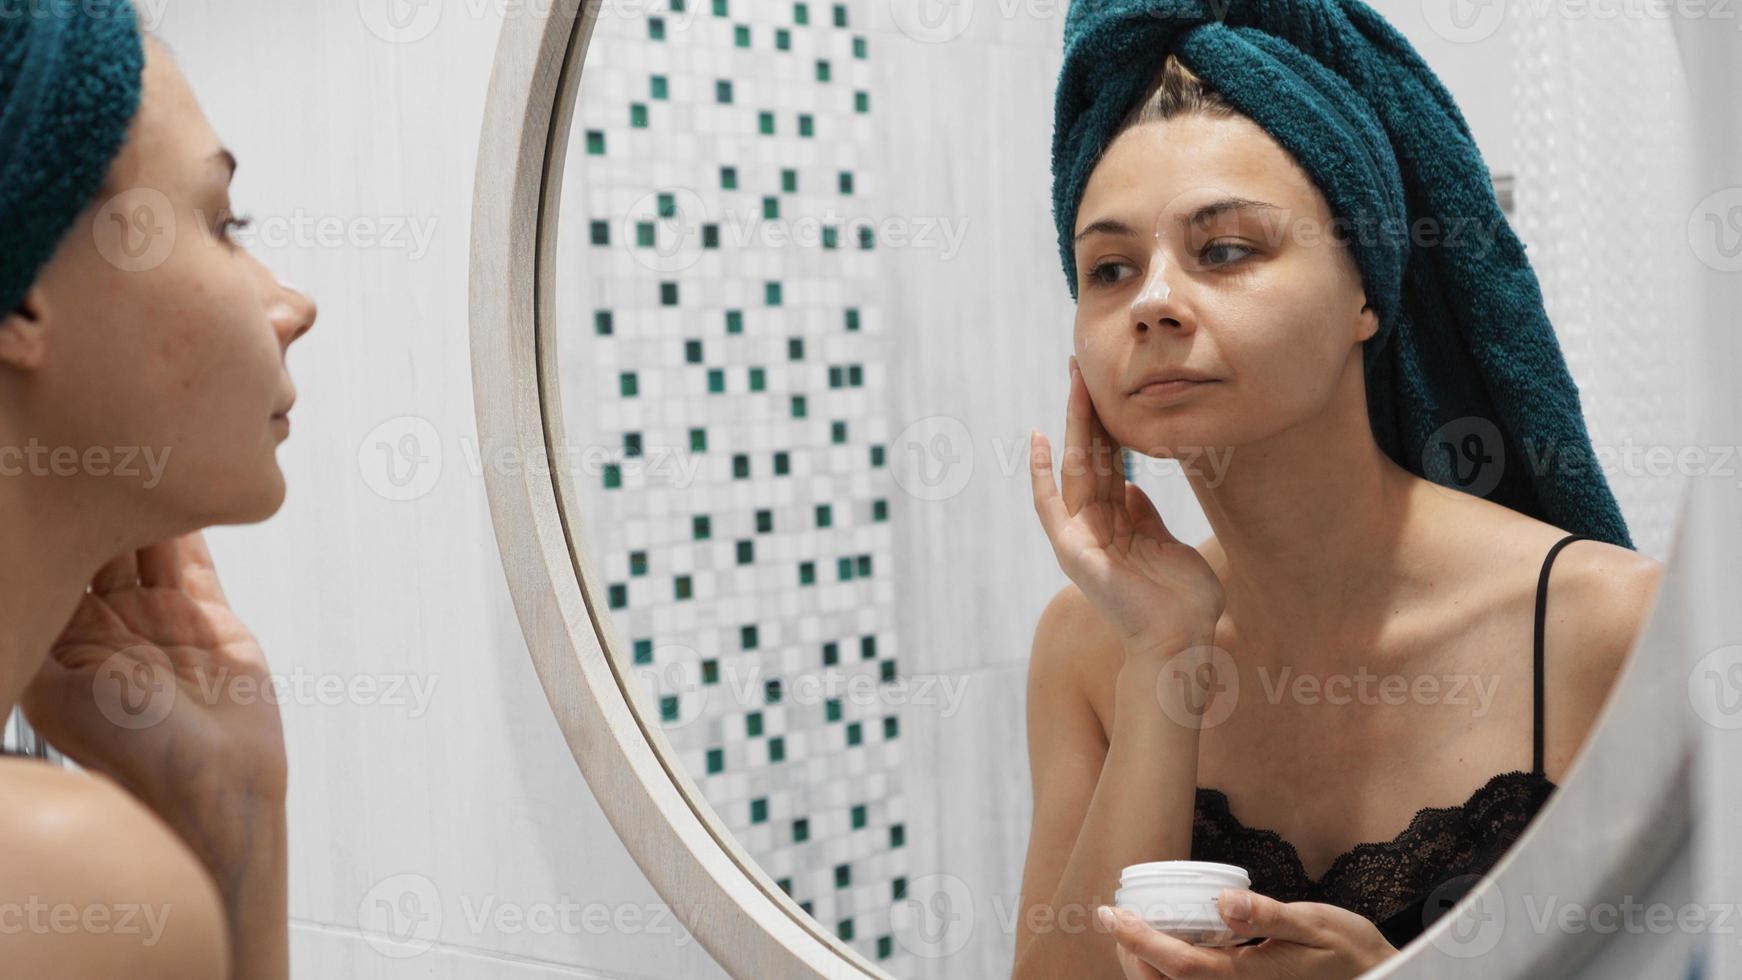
x=1155, y=288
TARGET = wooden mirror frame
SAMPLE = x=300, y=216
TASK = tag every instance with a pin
x=1622, y=811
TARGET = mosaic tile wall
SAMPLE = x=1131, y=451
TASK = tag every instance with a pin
x=719, y=328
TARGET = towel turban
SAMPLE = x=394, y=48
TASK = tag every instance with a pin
x=70, y=74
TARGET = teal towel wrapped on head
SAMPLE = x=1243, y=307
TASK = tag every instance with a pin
x=69, y=86
x=1466, y=383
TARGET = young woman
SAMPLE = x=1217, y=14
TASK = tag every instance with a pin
x=143, y=394
x=1167, y=717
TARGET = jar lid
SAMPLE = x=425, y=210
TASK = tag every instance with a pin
x=1183, y=870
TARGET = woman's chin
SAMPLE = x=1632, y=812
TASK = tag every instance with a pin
x=258, y=500
x=1164, y=437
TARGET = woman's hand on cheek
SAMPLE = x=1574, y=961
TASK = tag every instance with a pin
x=1303, y=941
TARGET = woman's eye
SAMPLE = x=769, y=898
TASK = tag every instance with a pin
x=229, y=226
x=1219, y=246
x=1096, y=274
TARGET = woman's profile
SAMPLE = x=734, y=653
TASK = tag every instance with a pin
x=143, y=395
x=1280, y=695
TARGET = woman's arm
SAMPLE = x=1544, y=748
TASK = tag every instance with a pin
x=240, y=837
x=1100, y=802
x=92, y=884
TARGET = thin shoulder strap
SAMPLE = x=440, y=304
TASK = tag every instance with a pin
x=1541, y=614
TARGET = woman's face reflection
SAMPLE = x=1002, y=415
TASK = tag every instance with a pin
x=1222, y=261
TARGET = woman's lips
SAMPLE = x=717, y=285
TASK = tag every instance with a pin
x=1168, y=389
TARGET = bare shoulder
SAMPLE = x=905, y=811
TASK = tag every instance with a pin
x=100, y=885
x=1599, y=598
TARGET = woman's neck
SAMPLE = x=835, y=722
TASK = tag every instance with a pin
x=55, y=542
x=1315, y=527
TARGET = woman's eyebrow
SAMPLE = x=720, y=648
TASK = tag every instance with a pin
x=1113, y=226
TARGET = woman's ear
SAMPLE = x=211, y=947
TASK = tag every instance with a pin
x=24, y=333
x=1369, y=321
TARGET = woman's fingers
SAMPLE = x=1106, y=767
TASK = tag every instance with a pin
x=1109, y=460
x=1261, y=915
x=1047, y=503
x=199, y=572
x=1135, y=969
x=1144, y=517
x=160, y=565
x=1076, y=469
x=120, y=572
x=1170, y=957
x=181, y=563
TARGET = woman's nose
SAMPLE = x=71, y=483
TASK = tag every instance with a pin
x=293, y=314
x=1154, y=302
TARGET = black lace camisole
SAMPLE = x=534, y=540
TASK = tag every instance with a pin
x=1403, y=884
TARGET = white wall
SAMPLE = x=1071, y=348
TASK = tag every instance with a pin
x=477, y=799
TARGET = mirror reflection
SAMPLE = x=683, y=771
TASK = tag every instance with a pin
x=1339, y=520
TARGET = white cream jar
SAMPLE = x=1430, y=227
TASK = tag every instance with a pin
x=1179, y=898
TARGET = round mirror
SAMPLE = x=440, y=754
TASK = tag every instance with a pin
x=772, y=293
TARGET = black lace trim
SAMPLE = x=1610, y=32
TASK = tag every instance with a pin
x=1379, y=879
